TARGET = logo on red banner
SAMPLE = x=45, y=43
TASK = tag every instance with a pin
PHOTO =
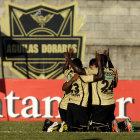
x=36, y=100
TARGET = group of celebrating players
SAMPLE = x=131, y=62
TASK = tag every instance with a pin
x=88, y=100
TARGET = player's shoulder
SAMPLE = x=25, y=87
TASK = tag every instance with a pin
x=107, y=69
x=68, y=71
x=110, y=70
x=86, y=70
x=109, y=73
x=91, y=71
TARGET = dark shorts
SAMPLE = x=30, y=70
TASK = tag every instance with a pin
x=103, y=113
x=77, y=115
x=89, y=107
x=63, y=114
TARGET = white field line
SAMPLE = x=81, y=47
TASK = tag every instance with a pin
x=21, y=131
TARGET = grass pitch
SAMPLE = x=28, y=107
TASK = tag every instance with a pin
x=33, y=131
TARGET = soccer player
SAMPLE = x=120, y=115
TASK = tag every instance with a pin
x=53, y=126
x=89, y=71
x=65, y=98
x=64, y=103
x=123, y=125
x=93, y=70
x=66, y=94
x=103, y=98
x=77, y=107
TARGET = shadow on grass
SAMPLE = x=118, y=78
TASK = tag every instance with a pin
x=137, y=129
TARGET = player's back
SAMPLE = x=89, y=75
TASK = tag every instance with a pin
x=79, y=89
x=103, y=90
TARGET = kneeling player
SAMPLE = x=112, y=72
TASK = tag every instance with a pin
x=65, y=100
x=77, y=119
x=103, y=101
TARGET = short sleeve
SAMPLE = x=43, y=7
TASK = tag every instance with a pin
x=89, y=71
x=87, y=78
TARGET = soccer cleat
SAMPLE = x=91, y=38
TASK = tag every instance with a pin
x=90, y=128
x=115, y=127
x=128, y=125
x=63, y=127
x=46, y=125
x=53, y=127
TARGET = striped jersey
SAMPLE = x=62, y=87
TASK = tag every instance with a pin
x=79, y=90
x=102, y=91
x=66, y=94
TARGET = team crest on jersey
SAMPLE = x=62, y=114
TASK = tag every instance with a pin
x=36, y=37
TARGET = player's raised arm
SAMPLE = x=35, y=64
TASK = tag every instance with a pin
x=116, y=77
x=106, y=52
x=70, y=53
x=66, y=65
x=68, y=84
x=78, y=70
x=99, y=75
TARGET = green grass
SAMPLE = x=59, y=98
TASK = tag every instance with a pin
x=33, y=131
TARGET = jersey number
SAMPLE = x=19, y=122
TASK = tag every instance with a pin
x=107, y=86
x=75, y=88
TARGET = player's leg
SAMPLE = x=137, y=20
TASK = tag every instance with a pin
x=80, y=118
x=63, y=115
x=54, y=127
x=50, y=126
x=89, y=106
x=98, y=114
x=69, y=118
x=115, y=127
x=110, y=118
x=102, y=117
x=99, y=127
x=98, y=119
x=64, y=127
x=46, y=125
x=126, y=125
x=83, y=118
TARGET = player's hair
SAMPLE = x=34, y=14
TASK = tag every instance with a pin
x=77, y=62
x=103, y=60
x=92, y=62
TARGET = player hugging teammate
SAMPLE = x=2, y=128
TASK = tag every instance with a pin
x=88, y=100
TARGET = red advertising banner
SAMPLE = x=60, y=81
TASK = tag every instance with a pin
x=127, y=95
x=36, y=100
